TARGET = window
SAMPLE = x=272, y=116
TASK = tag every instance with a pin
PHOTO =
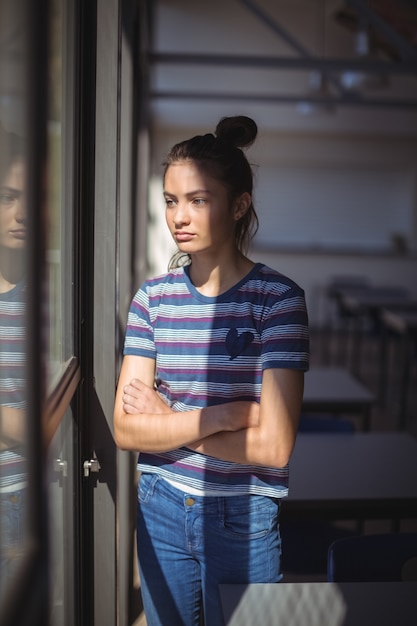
x=13, y=295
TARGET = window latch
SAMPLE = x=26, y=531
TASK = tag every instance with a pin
x=91, y=466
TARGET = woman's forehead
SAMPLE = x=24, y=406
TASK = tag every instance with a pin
x=189, y=173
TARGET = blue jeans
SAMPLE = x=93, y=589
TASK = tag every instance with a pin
x=12, y=534
x=187, y=545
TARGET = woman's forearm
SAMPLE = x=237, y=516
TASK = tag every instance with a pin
x=159, y=432
x=272, y=440
x=247, y=447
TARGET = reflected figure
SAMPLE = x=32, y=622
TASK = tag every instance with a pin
x=12, y=354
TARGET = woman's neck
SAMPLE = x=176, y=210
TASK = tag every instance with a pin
x=12, y=268
x=213, y=279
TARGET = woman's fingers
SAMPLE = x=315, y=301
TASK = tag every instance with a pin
x=130, y=409
x=139, y=398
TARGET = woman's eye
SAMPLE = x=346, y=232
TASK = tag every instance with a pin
x=199, y=201
x=7, y=198
x=169, y=202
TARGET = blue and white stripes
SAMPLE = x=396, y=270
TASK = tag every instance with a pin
x=13, y=347
x=213, y=350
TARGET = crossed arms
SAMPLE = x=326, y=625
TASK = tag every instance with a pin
x=242, y=432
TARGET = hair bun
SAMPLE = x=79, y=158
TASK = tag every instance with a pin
x=239, y=131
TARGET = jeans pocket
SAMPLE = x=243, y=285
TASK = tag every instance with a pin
x=252, y=519
x=146, y=487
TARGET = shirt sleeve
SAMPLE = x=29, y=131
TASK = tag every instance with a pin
x=285, y=333
x=139, y=338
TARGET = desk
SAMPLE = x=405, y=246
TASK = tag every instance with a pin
x=352, y=476
x=403, y=323
x=334, y=390
x=368, y=304
x=320, y=604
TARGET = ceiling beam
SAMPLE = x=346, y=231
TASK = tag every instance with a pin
x=405, y=49
x=275, y=27
x=290, y=63
x=289, y=39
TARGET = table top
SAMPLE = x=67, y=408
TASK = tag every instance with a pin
x=320, y=604
x=365, y=299
x=335, y=388
x=353, y=476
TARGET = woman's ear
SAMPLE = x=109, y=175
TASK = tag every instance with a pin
x=242, y=205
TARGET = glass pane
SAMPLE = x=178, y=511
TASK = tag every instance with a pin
x=59, y=258
x=13, y=466
x=60, y=184
x=61, y=503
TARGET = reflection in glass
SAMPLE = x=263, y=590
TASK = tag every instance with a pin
x=13, y=417
x=57, y=230
x=61, y=492
x=12, y=354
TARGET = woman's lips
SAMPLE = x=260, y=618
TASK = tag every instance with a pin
x=19, y=234
x=183, y=236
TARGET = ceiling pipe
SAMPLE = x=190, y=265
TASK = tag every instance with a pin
x=345, y=100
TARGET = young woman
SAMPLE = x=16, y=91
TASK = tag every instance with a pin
x=210, y=389
x=13, y=468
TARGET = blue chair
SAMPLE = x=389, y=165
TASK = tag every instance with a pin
x=324, y=424
x=373, y=558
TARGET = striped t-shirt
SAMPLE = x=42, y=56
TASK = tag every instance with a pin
x=213, y=350
x=13, y=347
x=13, y=463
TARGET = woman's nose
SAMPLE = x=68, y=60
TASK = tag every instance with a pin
x=20, y=211
x=181, y=215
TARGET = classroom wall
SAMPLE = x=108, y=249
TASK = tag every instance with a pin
x=328, y=205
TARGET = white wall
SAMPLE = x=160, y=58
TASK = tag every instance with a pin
x=313, y=272
x=347, y=191
x=353, y=194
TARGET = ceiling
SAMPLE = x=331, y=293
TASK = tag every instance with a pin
x=294, y=65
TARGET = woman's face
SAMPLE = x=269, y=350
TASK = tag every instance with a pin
x=13, y=208
x=198, y=211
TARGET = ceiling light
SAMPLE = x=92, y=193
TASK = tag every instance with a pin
x=318, y=100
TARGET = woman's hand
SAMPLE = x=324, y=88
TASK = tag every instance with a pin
x=139, y=398
x=270, y=440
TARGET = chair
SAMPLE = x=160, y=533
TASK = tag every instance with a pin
x=324, y=424
x=305, y=546
x=373, y=558
x=339, y=319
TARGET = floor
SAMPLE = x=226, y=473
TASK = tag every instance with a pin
x=364, y=359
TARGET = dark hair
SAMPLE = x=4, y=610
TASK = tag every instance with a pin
x=11, y=149
x=220, y=155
